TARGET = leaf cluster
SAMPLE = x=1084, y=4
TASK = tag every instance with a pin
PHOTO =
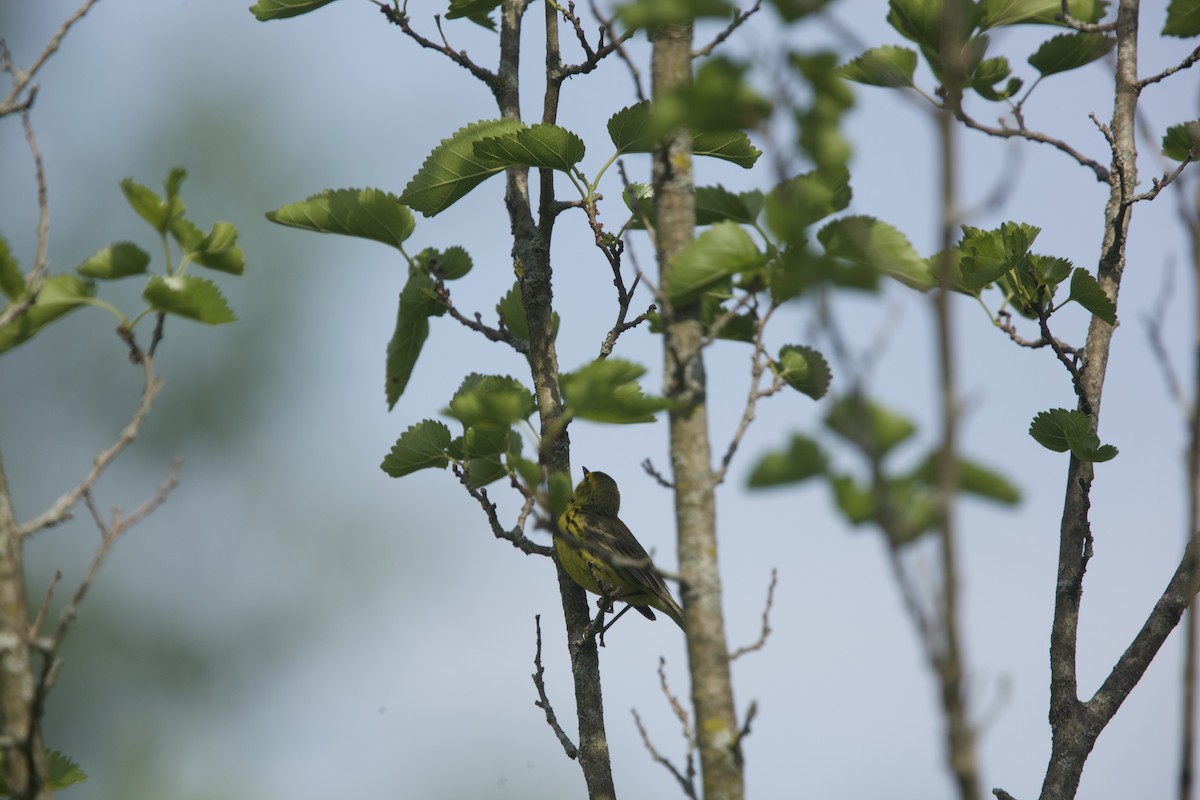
x=173, y=291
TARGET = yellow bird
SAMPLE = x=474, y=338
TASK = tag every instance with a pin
x=590, y=529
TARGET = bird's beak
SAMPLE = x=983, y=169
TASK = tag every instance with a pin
x=586, y=472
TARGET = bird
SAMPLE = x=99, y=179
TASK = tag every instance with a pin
x=589, y=530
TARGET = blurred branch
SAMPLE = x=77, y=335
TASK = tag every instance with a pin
x=766, y=623
x=33, y=279
x=60, y=510
x=734, y=24
x=687, y=782
x=13, y=102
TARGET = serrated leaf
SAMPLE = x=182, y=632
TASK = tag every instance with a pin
x=117, y=260
x=731, y=146
x=218, y=250
x=1183, y=19
x=606, y=390
x=62, y=771
x=542, y=145
x=887, y=66
x=148, y=205
x=629, y=129
x=59, y=295
x=1086, y=291
x=265, y=10
x=364, y=213
x=721, y=251
x=973, y=478
x=1049, y=271
x=454, y=262
x=795, y=204
x=1044, y=12
x=801, y=460
x=869, y=426
x=490, y=399
x=804, y=369
x=1060, y=430
x=422, y=446
x=988, y=255
x=12, y=282
x=1069, y=51
x=454, y=168
x=868, y=242
x=189, y=297
x=413, y=310
x=471, y=8
x=1182, y=141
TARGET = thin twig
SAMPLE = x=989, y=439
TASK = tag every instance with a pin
x=1191, y=59
x=618, y=45
x=1084, y=27
x=460, y=57
x=1022, y=132
x=734, y=24
x=21, y=78
x=501, y=334
x=759, y=365
x=766, y=622
x=543, y=701
x=516, y=535
x=688, y=788
x=60, y=510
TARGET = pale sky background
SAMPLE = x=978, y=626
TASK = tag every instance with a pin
x=293, y=623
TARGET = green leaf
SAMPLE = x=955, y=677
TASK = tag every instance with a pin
x=801, y=460
x=1086, y=291
x=188, y=296
x=148, y=205
x=853, y=500
x=472, y=9
x=645, y=14
x=490, y=399
x=265, y=10
x=115, y=261
x=888, y=66
x=987, y=255
x=719, y=99
x=721, y=251
x=1061, y=430
x=606, y=390
x=62, y=771
x=487, y=448
x=1069, y=51
x=1182, y=141
x=547, y=146
x=731, y=146
x=629, y=129
x=413, y=311
x=988, y=74
x=918, y=21
x=218, y=250
x=973, y=478
x=792, y=10
x=1045, y=12
x=365, y=213
x=512, y=311
x=422, y=446
x=804, y=369
x=795, y=204
x=872, y=428
x=12, y=282
x=868, y=242
x=59, y=295
x=454, y=262
x=454, y=168
x=1183, y=19
x=716, y=203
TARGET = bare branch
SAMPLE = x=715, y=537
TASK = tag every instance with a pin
x=400, y=19
x=618, y=45
x=60, y=511
x=22, y=78
x=734, y=24
x=1084, y=27
x=1191, y=59
x=1022, y=132
x=33, y=279
x=766, y=624
x=516, y=535
x=688, y=788
x=543, y=702
x=759, y=364
x=501, y=334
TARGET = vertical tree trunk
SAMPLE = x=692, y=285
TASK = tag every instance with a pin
x=691, y=459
